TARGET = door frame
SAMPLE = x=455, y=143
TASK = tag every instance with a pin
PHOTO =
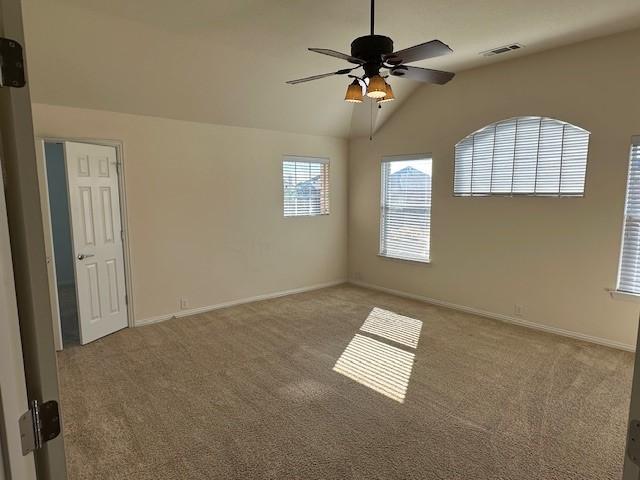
x=13, y=390
x=48, y=243
x=124, y=218
x=26, y=237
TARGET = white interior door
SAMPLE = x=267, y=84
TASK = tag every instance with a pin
x=97, y=239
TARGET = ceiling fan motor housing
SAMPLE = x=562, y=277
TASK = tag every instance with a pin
x=371, y=48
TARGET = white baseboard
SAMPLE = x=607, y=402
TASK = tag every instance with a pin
x=501, y=317
x=240, y=301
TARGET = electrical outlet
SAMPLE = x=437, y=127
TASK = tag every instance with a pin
x=517, y=310
x=184, y=303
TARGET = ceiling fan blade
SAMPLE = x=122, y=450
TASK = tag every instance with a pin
x=434, y=48
x=422, y=74
x=343, y=56
x=344, y=71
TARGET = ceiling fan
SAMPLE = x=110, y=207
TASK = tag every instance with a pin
x=374, y=54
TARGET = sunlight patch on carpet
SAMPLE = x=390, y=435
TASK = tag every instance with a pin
x=382, y=367
x=394, y=327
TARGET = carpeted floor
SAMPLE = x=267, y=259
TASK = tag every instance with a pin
x=342, y=383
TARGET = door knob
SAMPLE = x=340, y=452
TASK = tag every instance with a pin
x=82, y=256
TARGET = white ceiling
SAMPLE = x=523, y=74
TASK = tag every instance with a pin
x=226, y=61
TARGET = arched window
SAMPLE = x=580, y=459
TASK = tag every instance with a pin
x=522, y=156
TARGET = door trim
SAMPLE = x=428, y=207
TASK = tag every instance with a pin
x=48, y=240
x=124, y=218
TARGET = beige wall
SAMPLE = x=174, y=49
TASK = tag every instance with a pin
x=554, y=256
x=205, y=208
x=205, y=201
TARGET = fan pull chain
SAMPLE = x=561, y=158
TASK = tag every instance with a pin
x=371, y=122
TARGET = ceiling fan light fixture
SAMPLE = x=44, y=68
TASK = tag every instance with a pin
x=354, y=93
x=377, y=87
x=374, y=52
x=388, y=97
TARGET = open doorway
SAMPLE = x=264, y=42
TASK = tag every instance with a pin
x=62, y=258
x=82, y=206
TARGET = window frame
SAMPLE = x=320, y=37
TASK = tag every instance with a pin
x=400, y=158
x=326, y=162
x=523, y=194
x=618, y=292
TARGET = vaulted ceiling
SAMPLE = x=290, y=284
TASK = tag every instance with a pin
x=226, y=61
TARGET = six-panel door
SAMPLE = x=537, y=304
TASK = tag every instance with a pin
x=97, y=239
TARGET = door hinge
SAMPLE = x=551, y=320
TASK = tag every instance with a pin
x=633, y=441
x=11, y=64
x=40, y=424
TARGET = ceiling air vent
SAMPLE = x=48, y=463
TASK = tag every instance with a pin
x=504, y=49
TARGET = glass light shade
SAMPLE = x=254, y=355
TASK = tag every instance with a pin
x=377, y=87
x=354, y=93
x=388, y=97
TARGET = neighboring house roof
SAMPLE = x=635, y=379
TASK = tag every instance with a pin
x=408, y=175
x=311, y=184
x=406, y=172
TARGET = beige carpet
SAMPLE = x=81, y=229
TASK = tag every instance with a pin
x=294, y=388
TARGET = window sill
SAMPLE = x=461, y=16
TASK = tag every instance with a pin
x=307, y=215
x=406, y=259
x=624, y=296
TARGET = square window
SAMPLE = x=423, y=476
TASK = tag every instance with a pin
x=306, y=186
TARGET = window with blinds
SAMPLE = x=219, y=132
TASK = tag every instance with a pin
x=306, y=186
x=405, y=210
x=629, y=269
x=522, y=156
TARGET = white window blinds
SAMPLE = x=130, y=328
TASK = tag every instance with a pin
x=522, y=156
x=405, y=217
x=629, y=271
x=306, y=186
